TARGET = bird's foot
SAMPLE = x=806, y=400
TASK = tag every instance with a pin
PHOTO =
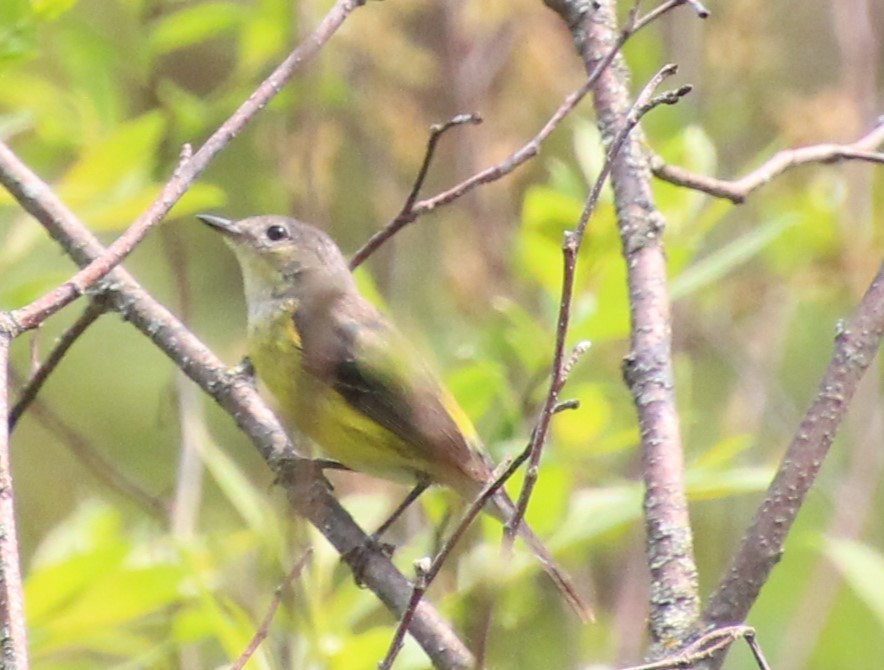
x=244, y=371
x=359, y=557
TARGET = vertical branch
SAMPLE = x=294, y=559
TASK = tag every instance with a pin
x=674, y=599
x=14, y=642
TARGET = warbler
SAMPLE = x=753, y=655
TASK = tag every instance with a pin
x=348, y=379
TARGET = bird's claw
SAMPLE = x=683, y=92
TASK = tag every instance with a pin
x=358, y=557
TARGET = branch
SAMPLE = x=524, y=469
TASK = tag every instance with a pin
x=421, y=567
x=570, y=249
x=14, y=642
x=188, y=169
x=738, y=190
x=29, y=393
x=238, y=397
x=856, y=344
x=648, y=370
x=426, y=574
x=413, y=210
x=706, y=647
x=436, y=132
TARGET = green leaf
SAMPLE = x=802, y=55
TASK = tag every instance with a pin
x=127, y=155
x=250, y=503
x=18, y=30
x=194, y=25
x=863, y=569
x=50, y=10
x=718, y=264
x=704, y=484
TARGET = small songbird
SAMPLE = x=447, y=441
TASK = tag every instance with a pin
x=345, y=376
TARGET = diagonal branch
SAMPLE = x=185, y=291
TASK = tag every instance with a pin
x=570, y=249
x=29, y=392
x=304, y=487
x=184, y=175
x=856, y=344
x=529, y=150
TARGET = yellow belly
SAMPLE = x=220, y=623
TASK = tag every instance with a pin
x=313, y=407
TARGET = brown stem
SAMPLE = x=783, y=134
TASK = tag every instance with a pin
x=570, y=249
x=95, y=309
x=436, y=132
x=674, y=600
x=184, y=175
x=856, y=344
x=14, y=642
x=495, y=172
x=737, y=190
x=708, y=646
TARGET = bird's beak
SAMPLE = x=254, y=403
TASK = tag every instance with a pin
x=222, y=225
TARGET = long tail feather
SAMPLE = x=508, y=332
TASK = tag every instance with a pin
x=504, y=508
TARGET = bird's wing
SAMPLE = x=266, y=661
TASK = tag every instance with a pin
x=379, y=374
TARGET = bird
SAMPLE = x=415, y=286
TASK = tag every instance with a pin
x=346, y=377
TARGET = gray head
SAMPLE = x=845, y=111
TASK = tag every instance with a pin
x=280, y=256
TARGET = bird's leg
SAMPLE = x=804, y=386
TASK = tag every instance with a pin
x=358, y=556
x=413, y=495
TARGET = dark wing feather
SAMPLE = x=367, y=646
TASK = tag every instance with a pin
x=378, y=373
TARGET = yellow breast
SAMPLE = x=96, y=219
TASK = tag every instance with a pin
x=313, y=407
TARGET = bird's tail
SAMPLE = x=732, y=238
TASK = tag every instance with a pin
x=503, y=507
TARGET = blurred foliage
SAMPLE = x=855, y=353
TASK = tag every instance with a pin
x=100, y=95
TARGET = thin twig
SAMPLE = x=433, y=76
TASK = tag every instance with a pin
x=644, y=103
x=264, y=628
x=500, y=170
x=707, y=647
x=571, y=247
x=756, y=650
x=506, y=470
x=737, y=190
x=421, y=568
x=185, y=173
x=436, y=132
x=657, y=12
x=95, y=309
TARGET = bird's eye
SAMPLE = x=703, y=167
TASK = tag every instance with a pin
x=276, y=233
